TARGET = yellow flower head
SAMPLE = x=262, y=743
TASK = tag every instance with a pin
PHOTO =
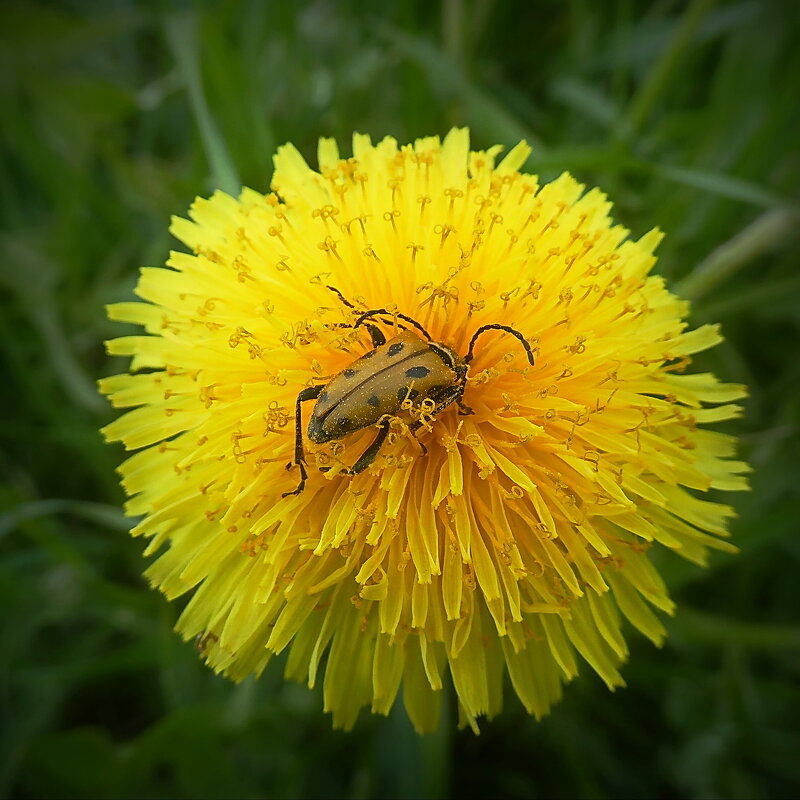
x=510, y=539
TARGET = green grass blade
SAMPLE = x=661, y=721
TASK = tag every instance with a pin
x=183, y=39
x=761, y=236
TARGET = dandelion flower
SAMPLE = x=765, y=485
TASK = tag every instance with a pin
x=514, y=539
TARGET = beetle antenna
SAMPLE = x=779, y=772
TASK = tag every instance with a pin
x=346, y=302
x=495, y=327
x=381, y=311
x=341, y=297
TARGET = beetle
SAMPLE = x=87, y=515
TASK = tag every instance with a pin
x=375, y=387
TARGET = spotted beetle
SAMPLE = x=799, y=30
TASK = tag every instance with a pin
x=375, y=386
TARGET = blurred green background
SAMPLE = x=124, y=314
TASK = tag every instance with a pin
x=116, y=114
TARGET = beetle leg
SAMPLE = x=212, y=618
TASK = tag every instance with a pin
x=463, y=409
x=368, y=456
x=421, y=445
x=310, y=393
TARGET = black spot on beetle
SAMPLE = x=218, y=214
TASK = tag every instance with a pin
x=405, y=394
x=373, y=400
x=395, y=348
x=417, y=372
x=350, y=373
